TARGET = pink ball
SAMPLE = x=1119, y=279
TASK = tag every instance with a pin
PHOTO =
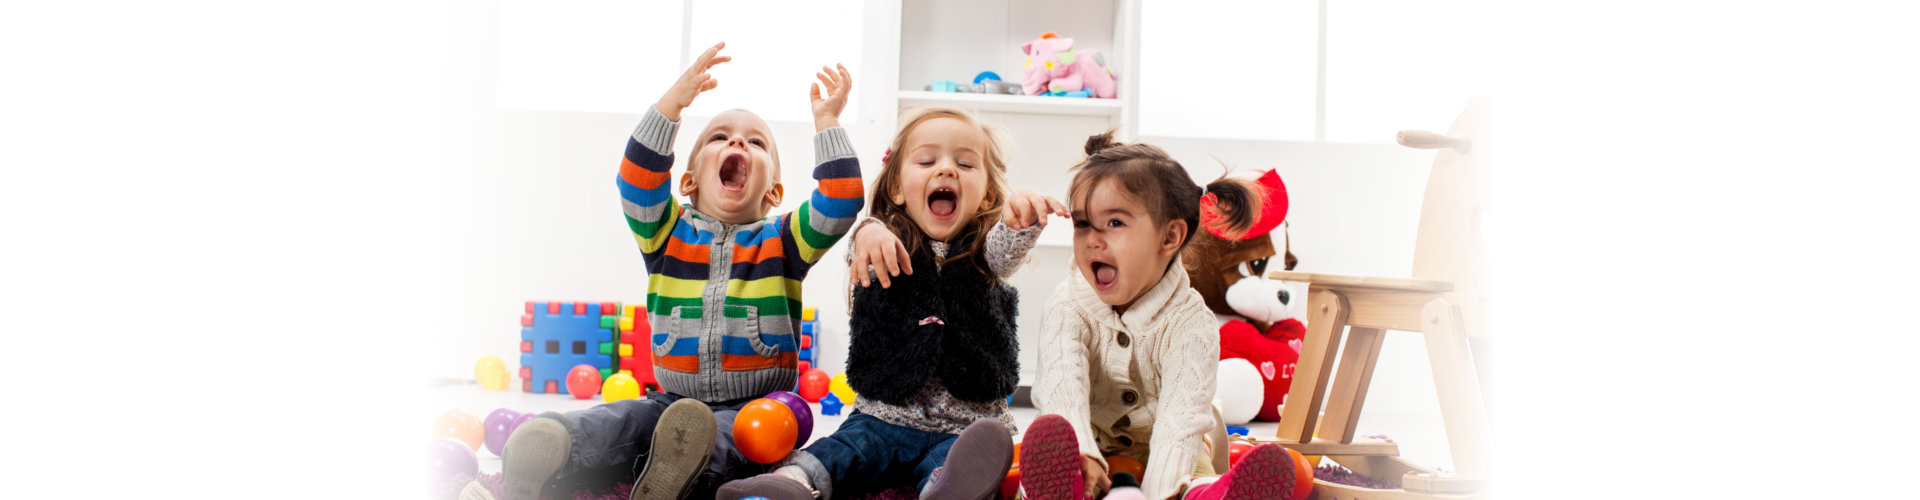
x=583, y=382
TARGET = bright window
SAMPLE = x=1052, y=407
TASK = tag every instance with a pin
x=585, y=55
x=1400, y=64
x=777, y=46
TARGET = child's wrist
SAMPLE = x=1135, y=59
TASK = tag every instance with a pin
x=668, y=110
x=824, y=123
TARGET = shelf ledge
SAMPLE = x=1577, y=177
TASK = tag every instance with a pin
x=1004, y=103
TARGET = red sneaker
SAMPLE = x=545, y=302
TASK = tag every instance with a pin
x=1050, y=461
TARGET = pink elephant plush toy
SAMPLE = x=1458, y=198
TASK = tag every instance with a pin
x=1054, y=66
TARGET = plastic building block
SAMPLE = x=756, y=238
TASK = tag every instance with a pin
x=830, y=405
x=806, y=314
x=985, y=76
x=635, y=357
x=556, y=336
x=944, y=86
x=1237, y=430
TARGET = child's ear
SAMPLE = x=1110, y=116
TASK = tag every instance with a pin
x=774, y=195
x=1171, y=238
x=897, y=197
x=688, y=187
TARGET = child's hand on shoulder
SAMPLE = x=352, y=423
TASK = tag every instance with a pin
x=875, y=246
x=826, y=110
x=1026, y=208
x=692, y=83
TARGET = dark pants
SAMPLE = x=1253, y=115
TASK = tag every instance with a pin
x=610, y=444
x=867, y=455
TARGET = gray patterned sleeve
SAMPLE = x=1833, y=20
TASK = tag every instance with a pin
x=1007, y=248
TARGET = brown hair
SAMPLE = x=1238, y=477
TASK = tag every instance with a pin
x=888, y=183
x=1163, y=186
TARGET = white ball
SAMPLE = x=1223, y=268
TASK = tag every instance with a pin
x=1237, y=388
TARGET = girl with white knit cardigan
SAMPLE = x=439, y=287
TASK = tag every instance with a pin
x=1128, y=348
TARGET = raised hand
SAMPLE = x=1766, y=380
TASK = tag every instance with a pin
x=1026, y=208
x=692, y=83
x=875, y=246
x=826, y=109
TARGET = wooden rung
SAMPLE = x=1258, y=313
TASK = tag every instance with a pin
x=1359, y=447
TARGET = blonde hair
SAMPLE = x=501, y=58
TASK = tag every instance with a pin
x=888, y=183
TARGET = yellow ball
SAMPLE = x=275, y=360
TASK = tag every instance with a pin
x=619, y=386
x=840, y=389
x=491, y=372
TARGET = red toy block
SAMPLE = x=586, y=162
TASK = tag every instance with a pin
x=526, y=345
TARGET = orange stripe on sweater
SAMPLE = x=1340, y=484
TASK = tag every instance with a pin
x=737, y=362
x=695, y=254
x=682, y=364
x=640, y=177
x=843, y=188
x=754, y=254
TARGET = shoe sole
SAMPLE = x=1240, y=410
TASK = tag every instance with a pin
x=1265, y=473
x=529, y=459
x=976, y=479
x=672, y=466
x=1050, y=461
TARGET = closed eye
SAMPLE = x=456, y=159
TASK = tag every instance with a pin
x=717, y=137
x=758, y=142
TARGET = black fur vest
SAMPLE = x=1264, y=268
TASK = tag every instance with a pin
x=955, y=323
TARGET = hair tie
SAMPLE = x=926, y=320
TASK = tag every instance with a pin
x=886, y=155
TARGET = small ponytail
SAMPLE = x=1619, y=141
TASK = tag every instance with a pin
x=1230, y=207
x=1101, y=142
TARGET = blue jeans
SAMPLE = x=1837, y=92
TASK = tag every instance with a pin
x=867, y=455
x=610, y=444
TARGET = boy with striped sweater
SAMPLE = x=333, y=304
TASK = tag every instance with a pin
x=723, y=297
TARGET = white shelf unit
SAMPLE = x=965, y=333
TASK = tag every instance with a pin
x=942, y=40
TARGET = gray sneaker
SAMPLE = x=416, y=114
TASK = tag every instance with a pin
x=682, y=443
x=534, y=453
x=976, y=464
x=770, y=486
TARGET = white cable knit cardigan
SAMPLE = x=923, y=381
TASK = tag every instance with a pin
x=1171, y=349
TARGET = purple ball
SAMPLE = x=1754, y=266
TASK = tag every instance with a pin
x=801, y=413
x=524, y=417
x=448, y=459
x=499, y=425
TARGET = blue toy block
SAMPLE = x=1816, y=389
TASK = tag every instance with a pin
x=1237, y=430
x=556, y=339
x=830, y=405
x=985, y=76
x=944, y=86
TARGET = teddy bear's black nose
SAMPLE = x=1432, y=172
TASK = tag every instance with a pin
x=1285, y=297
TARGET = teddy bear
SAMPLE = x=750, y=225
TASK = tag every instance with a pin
x=1054, y=66
x=1230, y=274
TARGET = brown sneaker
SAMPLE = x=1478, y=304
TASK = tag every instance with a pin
x=682, y=443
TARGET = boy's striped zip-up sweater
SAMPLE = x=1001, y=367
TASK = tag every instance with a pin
x=724, y=299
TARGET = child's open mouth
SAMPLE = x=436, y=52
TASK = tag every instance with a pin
x=733, y=172
x=942, y=202
x=1105, y=274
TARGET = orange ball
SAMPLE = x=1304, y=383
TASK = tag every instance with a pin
x=1016, y=455
x=1121, y=463
x=1302, y=475
x=460, y=425
x=765, y=430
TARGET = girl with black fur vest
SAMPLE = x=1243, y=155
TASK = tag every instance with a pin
x=933, y=353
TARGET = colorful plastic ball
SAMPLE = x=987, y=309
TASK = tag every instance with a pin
x=838, y=386
x=765, y=431
x=1236, y=450
x=524, y=417
x=491, y=372
x=618, y=387
x=460, y=425
x=583, y=381
x=1121, y=463
x=449, y=459
x=1302, y=475
x=813, y=385
x=1010, y=487
x=801, y=413
x=499, y=425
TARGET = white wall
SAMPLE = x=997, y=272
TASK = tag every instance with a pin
x=535, y=216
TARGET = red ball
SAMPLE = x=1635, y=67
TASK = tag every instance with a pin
x=1235, y=450
x=583, y=382
x=813, y=385
x=765, y=430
